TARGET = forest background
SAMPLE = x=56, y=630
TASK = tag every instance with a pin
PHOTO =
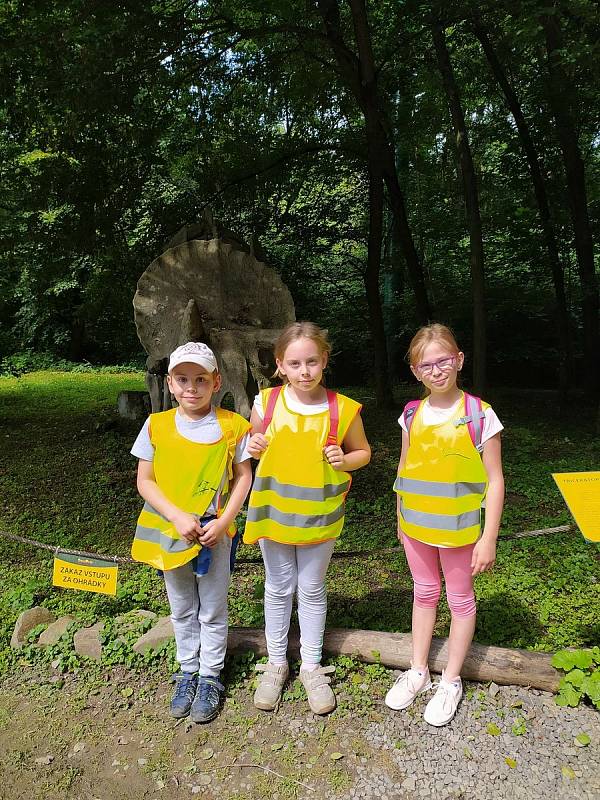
x=395, y=161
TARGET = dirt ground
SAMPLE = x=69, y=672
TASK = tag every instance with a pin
x=64, y=737
x=107, y=735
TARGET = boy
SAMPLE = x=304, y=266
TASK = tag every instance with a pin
x=194, y=474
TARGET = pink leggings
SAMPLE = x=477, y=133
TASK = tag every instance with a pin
x=424, y=562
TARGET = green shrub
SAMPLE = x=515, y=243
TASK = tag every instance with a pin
x=29, y=361
x=582, y=679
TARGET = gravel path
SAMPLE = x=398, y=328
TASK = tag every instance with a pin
x=504, y=742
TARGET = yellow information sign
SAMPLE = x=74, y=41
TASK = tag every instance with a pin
x=86, y=574
x=581, y=493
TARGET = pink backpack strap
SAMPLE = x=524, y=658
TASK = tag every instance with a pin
x=334, y=418
x=410, y=409
x=273, y=397
x=473, y=419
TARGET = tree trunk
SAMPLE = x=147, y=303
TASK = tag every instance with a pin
x=398, y=206
x=561, y=93
x=359, y=75
x=368, y=81
x=383, y=387
x=471, y=195
x=541, y=196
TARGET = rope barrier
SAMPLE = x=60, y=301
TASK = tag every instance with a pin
x=70, y=551
x=337, y=555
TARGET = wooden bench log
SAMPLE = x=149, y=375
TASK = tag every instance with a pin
x=483, y=663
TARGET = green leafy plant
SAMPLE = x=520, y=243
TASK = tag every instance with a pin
x=519, y=726
x=582, y=678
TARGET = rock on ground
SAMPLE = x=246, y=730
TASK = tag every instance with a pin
x=156, y=636
x=87, y=642
x=54, y=631
x=26, y=622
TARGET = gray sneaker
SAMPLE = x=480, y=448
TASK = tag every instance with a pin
x=270, y=685
x=321, y=698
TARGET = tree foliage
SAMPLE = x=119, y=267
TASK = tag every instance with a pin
x=122, y=121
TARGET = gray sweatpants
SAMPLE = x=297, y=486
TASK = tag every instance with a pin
x=199, y=612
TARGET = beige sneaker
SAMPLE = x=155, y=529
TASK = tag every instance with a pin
x=270, y=684
x=321, y=698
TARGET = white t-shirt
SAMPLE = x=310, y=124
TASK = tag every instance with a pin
x=201, y=431
x=292, y=404
x=430, y=415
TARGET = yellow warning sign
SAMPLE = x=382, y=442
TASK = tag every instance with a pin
x=85, y=574
x=581, y=493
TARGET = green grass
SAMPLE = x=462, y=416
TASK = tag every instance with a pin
x=65, y=481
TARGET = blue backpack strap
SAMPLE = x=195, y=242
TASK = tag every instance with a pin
x=409, y=412
x=473, y=419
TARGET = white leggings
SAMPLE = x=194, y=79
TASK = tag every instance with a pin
x=289, y=568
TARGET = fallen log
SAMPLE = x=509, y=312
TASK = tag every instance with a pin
x=483, y=662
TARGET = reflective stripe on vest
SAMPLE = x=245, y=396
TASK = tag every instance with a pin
x=189, y=474
x=295, y=520
x=442, y=522
x=437, y=489
x=269, y=484
x=442, y=483
x=166, y=543
x=297, y=496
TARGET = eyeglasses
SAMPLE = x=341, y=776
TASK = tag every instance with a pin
x=444, y=364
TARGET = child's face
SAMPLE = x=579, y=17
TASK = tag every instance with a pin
x=438, y=367
x=303, y=364
x=193, y=388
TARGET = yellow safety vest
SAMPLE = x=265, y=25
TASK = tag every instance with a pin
x=189, y=474
x=442, y=484
x=297, y=497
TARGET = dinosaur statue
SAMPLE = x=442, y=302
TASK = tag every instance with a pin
x=209, y=286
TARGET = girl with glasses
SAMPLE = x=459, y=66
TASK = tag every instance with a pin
x=450, y=461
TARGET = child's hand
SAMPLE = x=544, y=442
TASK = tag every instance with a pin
x=335, y=456
x=212, y=532
x=187, y=526
x=257, y=445
x=484, y=556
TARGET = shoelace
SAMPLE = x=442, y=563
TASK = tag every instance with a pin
x=446, y=691
x=410, y=680
x=185, y=688
x=209, y=691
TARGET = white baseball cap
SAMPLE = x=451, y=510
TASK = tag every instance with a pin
x=194, y=353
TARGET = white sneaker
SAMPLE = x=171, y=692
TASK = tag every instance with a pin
x=410, y=684
x=442, y=706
